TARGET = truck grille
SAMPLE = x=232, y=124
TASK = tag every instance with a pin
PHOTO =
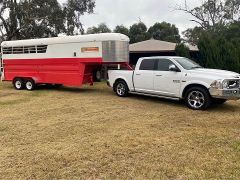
x=233, y=84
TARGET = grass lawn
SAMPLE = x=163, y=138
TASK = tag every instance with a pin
x=89, y=133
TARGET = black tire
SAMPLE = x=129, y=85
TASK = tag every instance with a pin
x=97, y=76
x=57, y=85
x=30, y=84
x=197, y=98
x=121, y=88
x=18, y=83
x=218, y=101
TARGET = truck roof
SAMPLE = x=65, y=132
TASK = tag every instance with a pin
x=161, y=57
x=67, y=39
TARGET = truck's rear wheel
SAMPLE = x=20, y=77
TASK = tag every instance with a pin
x=30, y=84
x=18, y=83
x=121, y=88
x=197, y=98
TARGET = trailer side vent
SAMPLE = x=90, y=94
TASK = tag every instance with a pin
x=25, y=49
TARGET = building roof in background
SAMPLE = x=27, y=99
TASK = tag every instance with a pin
x=153, y=45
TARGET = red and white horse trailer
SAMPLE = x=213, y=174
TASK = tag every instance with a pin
x=69, y=60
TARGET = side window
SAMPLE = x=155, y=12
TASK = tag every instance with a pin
x=147, y=64
x=163, y=64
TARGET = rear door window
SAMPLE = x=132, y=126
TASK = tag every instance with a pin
x=148, y=65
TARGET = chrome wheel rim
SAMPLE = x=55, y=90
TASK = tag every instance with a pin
x=29, y=85
x=121, y=89
x=196, y=99
x=18, y=84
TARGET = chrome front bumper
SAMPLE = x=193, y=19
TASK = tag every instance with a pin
x=231, y=94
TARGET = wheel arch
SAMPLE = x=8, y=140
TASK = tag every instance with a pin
x=186, y=88
x=25, y=78
x=119, y=79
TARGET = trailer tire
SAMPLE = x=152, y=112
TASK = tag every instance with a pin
x=30, y=84
x=97, y=76
x=18, y=83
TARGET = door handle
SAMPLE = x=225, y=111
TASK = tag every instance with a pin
x=138, y=74
x=159, y=75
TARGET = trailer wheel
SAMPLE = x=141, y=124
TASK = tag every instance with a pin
x=30, y=84
x=18, y=83
x=97, y=76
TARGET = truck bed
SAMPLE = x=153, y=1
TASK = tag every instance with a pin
x=126, y=75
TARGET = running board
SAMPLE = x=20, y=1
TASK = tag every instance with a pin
x=157, y=96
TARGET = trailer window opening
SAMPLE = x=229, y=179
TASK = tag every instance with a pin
x=25, y=49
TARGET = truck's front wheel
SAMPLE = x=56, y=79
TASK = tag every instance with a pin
x=197, y=98
x=121, y=88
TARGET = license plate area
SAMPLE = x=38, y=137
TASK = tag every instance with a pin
x=231, y=93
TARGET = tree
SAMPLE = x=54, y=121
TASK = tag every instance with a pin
x=36, y=22
x=208, y=15
x=212, y=16
x=122, y=29
x=192, y=35
x=102, y=28
x=9, y=26
x=218, y=36
x=232, y=10
x=41, y=18
x=165, y=32
x=219, y=52
x=138, y=32
x=182, y=50
x=73, y=10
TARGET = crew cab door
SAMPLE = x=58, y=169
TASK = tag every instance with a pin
x=143, y=76
x=166, y=82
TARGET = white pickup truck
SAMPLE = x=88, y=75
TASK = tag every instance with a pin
x=177, y=78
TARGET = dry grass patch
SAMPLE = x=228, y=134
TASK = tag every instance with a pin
x=74, y=133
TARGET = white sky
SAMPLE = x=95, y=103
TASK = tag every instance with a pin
x=127, y=12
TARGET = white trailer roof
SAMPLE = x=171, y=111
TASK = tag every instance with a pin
x=67, y=39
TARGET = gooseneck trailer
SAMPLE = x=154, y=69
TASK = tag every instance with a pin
x=69, y=60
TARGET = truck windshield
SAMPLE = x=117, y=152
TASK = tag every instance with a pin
x=187, y=63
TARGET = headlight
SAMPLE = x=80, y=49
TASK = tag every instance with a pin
x=216, y=84
x=225, y=84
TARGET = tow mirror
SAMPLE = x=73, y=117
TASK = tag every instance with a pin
x=173, y=68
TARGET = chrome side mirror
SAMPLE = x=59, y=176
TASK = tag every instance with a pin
x=173, y=68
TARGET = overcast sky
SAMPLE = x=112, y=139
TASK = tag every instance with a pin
x=127, y=12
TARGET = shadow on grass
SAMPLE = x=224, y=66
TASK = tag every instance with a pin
x=178, y=103
x=226, y=107
x=65, y=89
